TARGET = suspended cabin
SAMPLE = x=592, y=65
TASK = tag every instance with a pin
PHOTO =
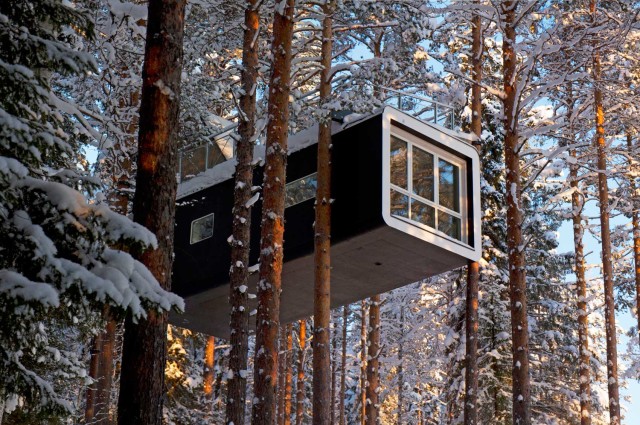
x=406, y=206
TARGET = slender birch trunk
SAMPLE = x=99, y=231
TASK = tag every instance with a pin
x=144, y=347
x=322, y=403
x=272, y=230
x=373, y=351
x=473, y=268
x=605, y=237
x=300, y=390
x=343, y=365
x=241, y=226
x=517, y=279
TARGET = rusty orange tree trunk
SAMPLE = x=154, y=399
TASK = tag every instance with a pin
x=272, y=224
x=209, y=359
x=144, y=347
x=521, y=384
x=240, y=241
x=300, y=390
x=322, y=405
x=635, y=222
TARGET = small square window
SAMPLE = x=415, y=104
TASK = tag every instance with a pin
x=202, y=228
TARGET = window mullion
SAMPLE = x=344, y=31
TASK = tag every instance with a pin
x=410, y=174
x=436, y=188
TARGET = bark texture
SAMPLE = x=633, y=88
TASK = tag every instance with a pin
x=241, y=226
x=322, y=402
x=577, y=205
x=144, y=347
x=288, y=378
x=302, y=341
x=473, y=268
x=363, y=363
x=343, y=365
x=521, y=384
x=605, y=238
x=635, y=222
x=272, y=225
x=373, y=351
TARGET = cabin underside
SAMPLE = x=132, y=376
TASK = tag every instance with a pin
x=368, y=264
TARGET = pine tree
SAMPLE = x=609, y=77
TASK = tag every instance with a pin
x=144, y=348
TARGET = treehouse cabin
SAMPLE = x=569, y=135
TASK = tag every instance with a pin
x=406, y=206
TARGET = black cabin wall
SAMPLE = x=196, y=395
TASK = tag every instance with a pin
x=356, y=190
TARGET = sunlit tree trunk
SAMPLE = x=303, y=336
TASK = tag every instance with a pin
x=241, y=226
x=272, y=225
x=322, y=401
x=605, y=237
x=300, y=393
x=515, y=243
x=373, y=362
x=577, y=205
x=288, y=379
x=208, y=375
x=144, y=347
x=473, y=268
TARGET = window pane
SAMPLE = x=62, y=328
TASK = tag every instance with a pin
x=422, y=173
x=449, y=225
x=301, y=190
x=398, y=163
x=202, y=228
x=423, y=213
x=449, y=187
x=399, y=204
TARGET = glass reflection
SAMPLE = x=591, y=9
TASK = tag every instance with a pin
x=423, y=213
x=399, y=204
x=449, y=225
x=398, y=162
x=422, y=173
x=301, y=190
x=448, y=185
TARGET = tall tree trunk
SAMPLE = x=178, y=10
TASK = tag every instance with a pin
x=322, y=401
x=401, y=366
x=373, y=351
x=105, y=372
x=272, y=230
x=240, y=243
x=473, y=268
x=363, y=363
x=515, y=244
x=300, y=392
x=605, y=233
x=635, y=222
x=209, y=368
x=144, y=347
x=343, y=365
x=288, y=379
x=282, y=366
x=334, y=374
x=92, y=390
x=577, y=206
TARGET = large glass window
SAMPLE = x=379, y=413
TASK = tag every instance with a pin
x=301, y=190
x=202, y=228
x=426, y=187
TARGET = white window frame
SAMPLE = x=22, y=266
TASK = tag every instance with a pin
x=438, y=154
x=456, y=142
x=198, y=219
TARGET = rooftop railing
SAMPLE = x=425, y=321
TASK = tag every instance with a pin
x=423, y=108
